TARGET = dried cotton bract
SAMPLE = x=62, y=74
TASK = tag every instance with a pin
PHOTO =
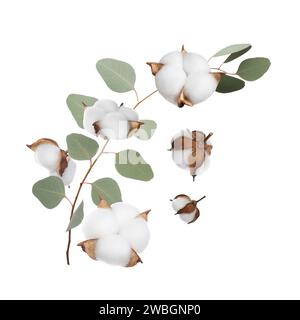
x=107, y=119
x=116, y=234
x=186, y=208
x=184, y=78
x=191, y=150
x=49, y=155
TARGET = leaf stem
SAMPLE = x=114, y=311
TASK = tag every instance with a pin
x=109, y=152
x=148, y=96
x=201, y=199
x=77, y=195
x=233, y=74
x=136, y=95
x=69, y=201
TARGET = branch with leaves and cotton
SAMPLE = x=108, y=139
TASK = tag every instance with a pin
x=107, y=120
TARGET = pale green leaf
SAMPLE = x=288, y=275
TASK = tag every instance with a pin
x=130, y=164
x=77, y=217
x=107, y=189
x=81, y=147
x=146, y=130
x=253, y=68
x=235, y=48
x=77, y=103
x=118, y=75
x=50, y=191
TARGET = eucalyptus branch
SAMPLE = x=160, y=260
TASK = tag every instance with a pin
x=77, y=195
x=148, y=96
x=223, y=71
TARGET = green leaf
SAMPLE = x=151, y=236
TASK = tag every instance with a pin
x=107, y=189
x=146, y=130
x=237, y=54
x=76, y=218
x=119, y=76
x=50, y=191
x=229, y=84
x=253, y=68
x=81, y=147
x=130, y=164
x=77, y=103
x=236, y=49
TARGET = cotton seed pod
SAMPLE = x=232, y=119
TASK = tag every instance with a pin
x=107, y=119
x=48, y=154
x=190, y=150
x=184, y=78
x=186, y=208
x=112, y=249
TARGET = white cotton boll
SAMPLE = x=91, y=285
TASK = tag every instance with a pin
x=137, y=233
x=115, y=126
x=193, y=62
x=47, y=155
x=69, y=173
x=186, y=133
x=180, y=203
x=187, y=217
x=98, y=223
x=92, y=115
x=172, y=58
x=113, y=249
x=106, y=105
x=124, y=212
x=181, y=157
x=199, y=87
x=169, y=82
x=130, y=114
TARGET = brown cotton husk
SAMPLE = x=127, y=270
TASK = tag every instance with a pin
x=134, y=126
x=196, y=216
x=35, y=144
x=189, y=208
x=134, y=259
x=182, y=100
x=97, y=127
x=89, y=247
x=182, y=143
x=62, y=163
x=103, y=204
x=144, y=215
x=183, y=49
x=217, y=75
x=155, y=67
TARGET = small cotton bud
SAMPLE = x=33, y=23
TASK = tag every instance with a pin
x=180, y=202
x=68, y=173
x=47, y=155
x=115, y=126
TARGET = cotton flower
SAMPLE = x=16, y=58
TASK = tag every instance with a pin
x=115, y=234
x=184, y=78
x=186, y=208
x=107, y=119
x=191, y=151
x=49, y=155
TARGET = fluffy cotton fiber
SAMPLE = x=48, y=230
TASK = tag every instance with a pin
x=47, y=155
x=188, y=73
x=124, y=212
x=113, y=249
x=136, y=232
x=98, y=223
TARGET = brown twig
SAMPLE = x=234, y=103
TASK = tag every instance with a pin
x=77, y=195
x=69, y=200
x=136, y=95
x=148, y=96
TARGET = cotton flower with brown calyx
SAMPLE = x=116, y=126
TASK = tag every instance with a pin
x=186, y=208
x=191, y=150
x=49, y=155
x=184, y=78
x=116, y=234
x=110, y=121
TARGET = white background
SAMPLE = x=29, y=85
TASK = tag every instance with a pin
x=246, y=242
